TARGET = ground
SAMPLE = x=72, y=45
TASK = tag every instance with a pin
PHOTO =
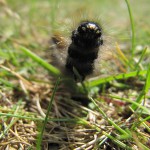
x=37, y=113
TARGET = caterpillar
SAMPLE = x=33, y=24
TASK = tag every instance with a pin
x=81, y=52
x=84, y=48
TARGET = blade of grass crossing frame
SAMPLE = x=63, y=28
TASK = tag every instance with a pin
x=39, y=140
x=132, y=102
x=99, y=81
x=123, y=132
x=119, y=143
x=54, y=71
x=141, y=58
x=132, y=29
x=53, y=13
x=144, y=91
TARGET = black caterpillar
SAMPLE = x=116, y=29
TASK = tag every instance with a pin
x=84, y=48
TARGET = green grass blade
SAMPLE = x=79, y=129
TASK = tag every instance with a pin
x=109, y=120
x=11, y=122
x=143, y=146
x=146, y=119
x=54, y=71
x=39, y=141
x=6, y=83
x=116, y=141
x=132, y=28
x=132, y=102
x=141, y=58
x=147, y=85
x=53, y=14
x=23, y=116
x=144, y=91
x=97, y=82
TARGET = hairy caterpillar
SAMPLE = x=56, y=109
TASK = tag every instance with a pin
x=81, y=51
x=84, y=48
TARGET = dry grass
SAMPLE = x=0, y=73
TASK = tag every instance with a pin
x=107, y=122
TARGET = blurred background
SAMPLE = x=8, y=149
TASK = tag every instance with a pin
x=29, y=22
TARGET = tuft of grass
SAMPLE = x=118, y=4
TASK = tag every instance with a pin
x=123, y=132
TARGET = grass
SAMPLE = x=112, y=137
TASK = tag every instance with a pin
x=132, y=27
x=39, y=141
x=35, y=113
x=54, y=71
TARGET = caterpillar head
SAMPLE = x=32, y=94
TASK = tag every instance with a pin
x=87, y=34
